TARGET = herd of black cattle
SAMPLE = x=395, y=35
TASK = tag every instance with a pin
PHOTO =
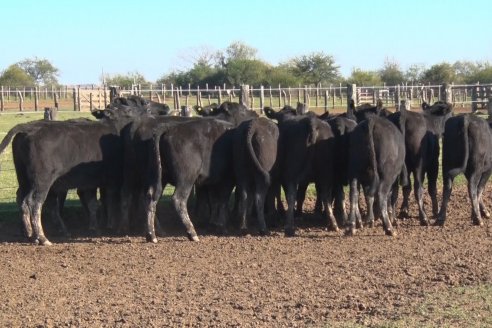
x=136, y=148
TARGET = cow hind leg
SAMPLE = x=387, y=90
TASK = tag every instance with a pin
x=354, y=208
x=339, y=206
x=370, y=209
x=383, y=205
x=301, y=196
x=419, y=197
x=35, y=204
x=22, y=201
x=446, y=195
x=473, y=182
x=406, y=191
x=481, y=186
x=290, y=195
x=180, y=199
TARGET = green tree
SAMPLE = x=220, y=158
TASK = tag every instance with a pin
x=483, y=74
x=40, y=70
x=391, y=73
x=236, y=51
x=464, y=70
x=414, y=73
x=245, y=71
x=315, y=68
x=283, y=75
x=15, y=76
x=364, y=78
x=439, y=73
x=125, y=80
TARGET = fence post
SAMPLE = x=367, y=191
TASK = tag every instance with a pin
x=36, y=99
x=21, y=101
x=290, y=97
x=163, y=93
x=220, y=96
x=2, y=108
x=271, y=98
x=474, y=105
x=351, y=94
x=150, y=93
x=262, y=98
x=489, y=97
x=448, y=93
x=244, y=95
x=90, y=102
x=326, y=101
x=55, y=99
x=78, y=99
x=279, y=97
x=397, y=98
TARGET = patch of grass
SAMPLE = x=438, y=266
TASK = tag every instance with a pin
x=464, y=306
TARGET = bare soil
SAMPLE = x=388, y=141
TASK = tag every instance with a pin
x=318, y=278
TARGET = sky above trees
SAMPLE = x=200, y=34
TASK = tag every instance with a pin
x=85, y=39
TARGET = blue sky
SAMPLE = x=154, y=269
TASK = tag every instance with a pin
x=85, y=38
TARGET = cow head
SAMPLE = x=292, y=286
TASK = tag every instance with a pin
x=207, y=110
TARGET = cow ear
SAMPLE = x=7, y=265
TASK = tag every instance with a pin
x=425, y=106
x=99, y=113
x=269, y=112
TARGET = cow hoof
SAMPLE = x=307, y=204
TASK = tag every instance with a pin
x=403, y=214
x=350, y=232
x=370, y=224
x=478, y=223
x=264, y=233
x=391, y=233
x=151, y=238
x=424, y=223
x=290, y=232
x=439, y=223
x=43, y=241
x=193, y=237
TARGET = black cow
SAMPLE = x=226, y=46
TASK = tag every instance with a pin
x=296, y=154
x=377, y=157
x=363, y=111
x=65, y=155
x=467, y=148
x=341, y=127
x=197, y=152
x=152, y=107
x=255, y=153
x=422, y=133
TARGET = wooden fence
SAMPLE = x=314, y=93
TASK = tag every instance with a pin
x=321, y=98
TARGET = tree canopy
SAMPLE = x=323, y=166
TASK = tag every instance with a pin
x=40, y=70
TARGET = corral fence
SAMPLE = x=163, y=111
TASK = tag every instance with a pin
x=320, y=97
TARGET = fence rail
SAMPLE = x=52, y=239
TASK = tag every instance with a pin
x=90, y=97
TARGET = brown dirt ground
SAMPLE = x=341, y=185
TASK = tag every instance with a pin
x=317, y=278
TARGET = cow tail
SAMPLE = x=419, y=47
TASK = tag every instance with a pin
x=466, y=155
x=404, y=171
x=372, y=151
x=310, y=145
x=11, y=134
x=249, y=143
